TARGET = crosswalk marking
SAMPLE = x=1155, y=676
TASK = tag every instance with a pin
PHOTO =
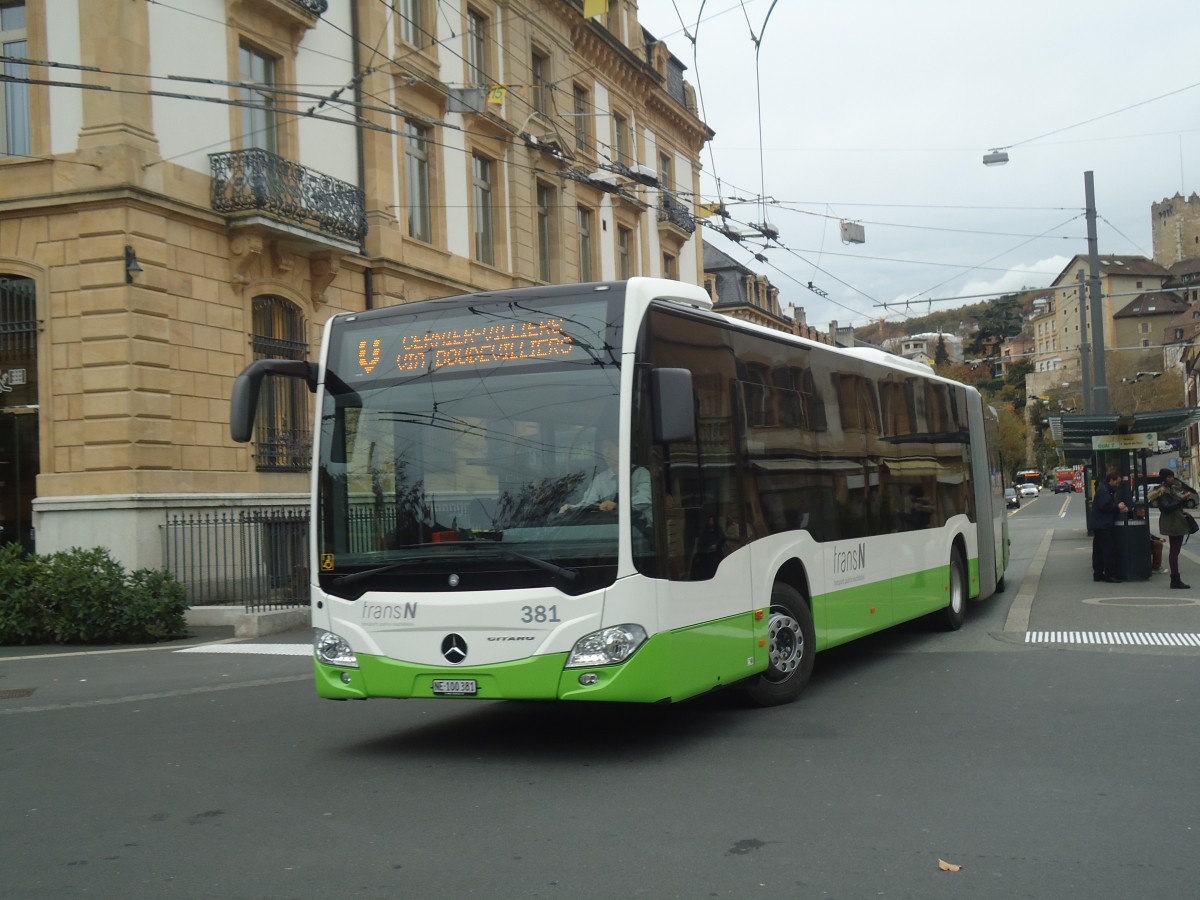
x=264, y=649
x=1115, y=638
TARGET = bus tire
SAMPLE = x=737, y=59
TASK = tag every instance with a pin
x=791, y=647
x=951, y=618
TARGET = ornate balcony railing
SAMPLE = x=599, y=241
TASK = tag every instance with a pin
x=316, y=7
x=254, y=179
x=675, y=213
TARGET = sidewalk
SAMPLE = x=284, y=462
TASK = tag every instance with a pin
x=1059, y=602
x=205, y=625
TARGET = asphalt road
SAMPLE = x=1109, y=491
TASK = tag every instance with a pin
x=1044, y=770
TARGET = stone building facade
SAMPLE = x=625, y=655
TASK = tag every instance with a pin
x=203, y=184
x=1175, y=224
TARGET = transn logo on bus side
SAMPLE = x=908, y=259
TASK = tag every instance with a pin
x=848, y=562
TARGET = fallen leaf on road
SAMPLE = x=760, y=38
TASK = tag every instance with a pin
x=948, y=866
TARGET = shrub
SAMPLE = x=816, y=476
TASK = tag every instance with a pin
x=82, y=590
x=22, y=616
x=85, y=597
x=155, y=607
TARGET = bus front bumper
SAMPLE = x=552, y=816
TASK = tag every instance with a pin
x=643, y=678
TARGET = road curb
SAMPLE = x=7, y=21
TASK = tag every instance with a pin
x=1018, y=613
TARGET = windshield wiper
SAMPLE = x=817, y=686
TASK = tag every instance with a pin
x=343, y=580
x=566, y=574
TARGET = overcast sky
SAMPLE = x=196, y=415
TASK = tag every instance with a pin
x=880, y=112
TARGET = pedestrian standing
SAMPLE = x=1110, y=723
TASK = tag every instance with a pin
x=1105, y=508
x=1170, y=496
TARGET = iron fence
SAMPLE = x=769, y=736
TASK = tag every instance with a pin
x=255, y=557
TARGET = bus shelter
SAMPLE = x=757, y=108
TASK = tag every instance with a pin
x=1124, y=443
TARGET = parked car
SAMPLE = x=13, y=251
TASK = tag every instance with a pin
x=1028, y=489
x=1064, y=487
x=1012, y=499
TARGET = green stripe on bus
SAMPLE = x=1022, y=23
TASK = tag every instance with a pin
x=669, y=666
x=672, y=665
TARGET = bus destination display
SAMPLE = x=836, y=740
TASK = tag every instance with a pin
x=488, y=345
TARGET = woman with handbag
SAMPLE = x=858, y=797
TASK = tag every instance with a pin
x=1173, y=523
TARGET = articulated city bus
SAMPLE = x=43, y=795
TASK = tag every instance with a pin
x=1028, y=476
x=609, y=492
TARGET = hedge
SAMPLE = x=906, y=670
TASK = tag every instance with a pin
x=85, y=597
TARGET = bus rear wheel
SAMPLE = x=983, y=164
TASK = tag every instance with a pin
x=951, y=618
x=791, y=646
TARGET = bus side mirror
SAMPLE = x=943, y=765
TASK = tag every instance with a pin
x=243, y=405
x=674, y=405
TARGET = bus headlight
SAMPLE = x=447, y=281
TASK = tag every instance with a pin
x=607, y=647
x=332, y=649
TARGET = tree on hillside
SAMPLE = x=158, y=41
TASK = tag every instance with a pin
x=975, y=374
x=1012, y=439
x=1139, y=382
x=997, y=320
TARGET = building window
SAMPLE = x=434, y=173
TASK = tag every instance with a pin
x=585, y=219
x=414, y=22
x=582, y=111
x=259, y=124
x=624, y=253
x=1143, y=327
x=540, y=82
x=666, y=173
x=481, y=188
x=621, y=140
x=670, y=267
x=416, y=162
x=477, y=47
x=545, y=232
x=283, y=435
x=15, y=128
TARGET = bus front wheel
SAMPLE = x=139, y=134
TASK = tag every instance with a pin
x=791, y=646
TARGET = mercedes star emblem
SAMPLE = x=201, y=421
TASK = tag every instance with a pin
x=454, y=648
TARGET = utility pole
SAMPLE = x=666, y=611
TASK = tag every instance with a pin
x=1085, y=376
x=1100, y=385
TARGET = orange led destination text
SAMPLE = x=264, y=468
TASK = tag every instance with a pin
x=492, y=344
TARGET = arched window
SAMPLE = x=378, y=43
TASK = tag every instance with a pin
x=283, y=437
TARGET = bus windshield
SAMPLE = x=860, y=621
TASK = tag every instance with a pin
x=457, y=442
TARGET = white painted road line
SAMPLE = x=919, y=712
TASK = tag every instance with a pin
x=1115, y=638
x=263, y=649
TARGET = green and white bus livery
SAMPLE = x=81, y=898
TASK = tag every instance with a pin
x=607, y=491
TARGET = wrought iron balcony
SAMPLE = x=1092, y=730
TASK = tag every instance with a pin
x=254, y=179
x=675, y=213
x=316, y=7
